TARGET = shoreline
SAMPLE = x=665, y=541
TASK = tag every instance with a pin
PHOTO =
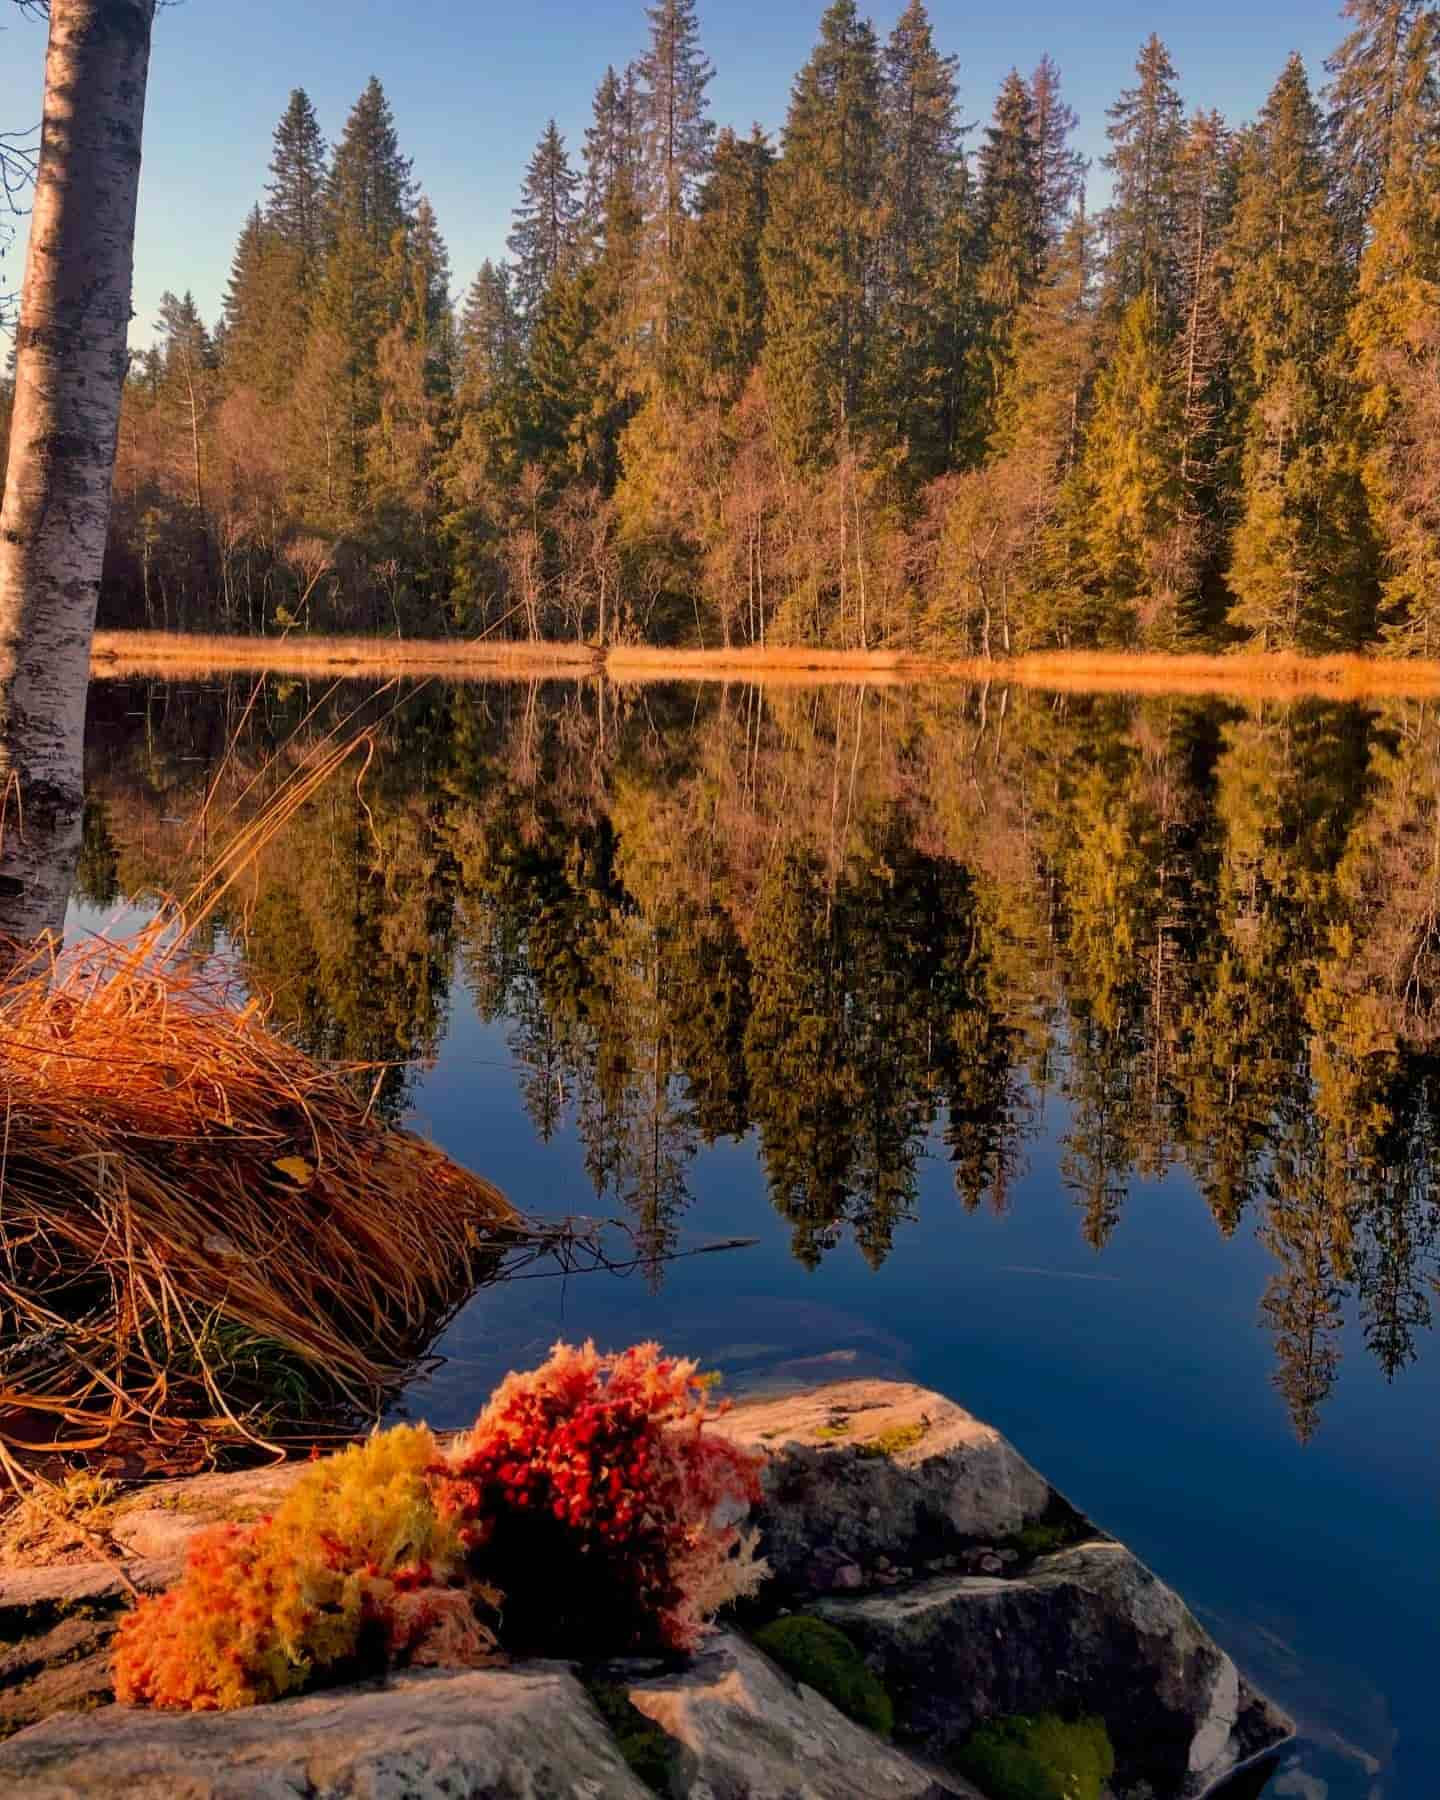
x=1244, y=674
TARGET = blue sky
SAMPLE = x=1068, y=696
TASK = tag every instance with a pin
x=473, y=84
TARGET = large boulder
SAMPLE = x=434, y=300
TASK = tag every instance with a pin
x=742, y=1728
x=528, y=1733
x=1089, y=1630
x=868, y=1475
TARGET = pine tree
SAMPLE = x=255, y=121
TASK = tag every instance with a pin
x=612, y=148
x=822, y=239
x=1011, y=228
x=296, y=208
x=721, y=299
x=1299, y=558
x=923, y=183
x=1394, y=329
x=547, y=223
x=1062, y=169
x=1146, y=127
x=1368, y=77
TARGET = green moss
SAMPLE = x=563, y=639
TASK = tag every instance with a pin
x=1044, y=1758
x=892, y=1442
x=1057, y=1527
x=647, y=1750
x=825, y=1659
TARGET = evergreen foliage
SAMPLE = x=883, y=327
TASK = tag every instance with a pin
x=861, y=387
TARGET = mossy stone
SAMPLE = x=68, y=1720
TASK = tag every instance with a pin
x=1040, y=1758
x=824, y=1658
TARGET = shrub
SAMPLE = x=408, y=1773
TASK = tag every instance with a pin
x=356, y=1570
x=591, y=1483
x=824, y=1658
x=1044, y=1758
x=592, y=1489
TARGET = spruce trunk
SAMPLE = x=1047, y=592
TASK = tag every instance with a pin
x=70, y=369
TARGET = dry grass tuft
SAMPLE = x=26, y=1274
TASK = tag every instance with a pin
x=199, y=1226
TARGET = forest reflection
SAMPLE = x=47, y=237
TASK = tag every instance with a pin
x=870, y=926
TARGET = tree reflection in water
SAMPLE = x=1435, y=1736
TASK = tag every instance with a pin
x=871, y=925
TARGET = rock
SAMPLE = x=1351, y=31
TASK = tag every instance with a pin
x=848, y=1575
x=1089, y=1630
x=909, y=1477
x=743, y=1728
x=527, y=1733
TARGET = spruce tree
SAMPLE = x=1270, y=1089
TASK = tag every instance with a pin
x=676, y=134
x=370, y=190
x=295, y=210
x=265, y=317
x=1011, y=230
x=721, y=299
x=547, y=223
x=490, y=344
x=1394, y=329
x=369, y=207
x=1133, y=470
x=1062, y=168
x=1201, y=351
x=1368, y=78
x=1145, y=130
x=612, y=148
x=822, y=239
x=923, y=182
x=1299, y=554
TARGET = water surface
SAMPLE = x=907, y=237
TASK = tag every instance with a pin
x=1079, y=1056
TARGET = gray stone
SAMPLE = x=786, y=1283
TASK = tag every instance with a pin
x=881, y=1468
x=746, y=1731
x=527, y=1733
x=1090, y=1630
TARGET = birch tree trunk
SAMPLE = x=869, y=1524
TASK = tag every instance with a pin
x=71, y=360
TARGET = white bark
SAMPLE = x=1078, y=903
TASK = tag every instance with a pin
x=70, y=371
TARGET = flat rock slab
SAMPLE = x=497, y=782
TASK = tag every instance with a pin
x=743, y=1728
x=1090, y=1630
x=871, y=1469
x=528, y=1733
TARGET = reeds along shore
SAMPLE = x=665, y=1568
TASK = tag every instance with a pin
x=204, y=1236
x=1244, y=674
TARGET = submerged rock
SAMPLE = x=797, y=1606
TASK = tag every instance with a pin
x=1087, y=1631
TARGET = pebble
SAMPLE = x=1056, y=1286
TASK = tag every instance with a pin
x=991, y=1565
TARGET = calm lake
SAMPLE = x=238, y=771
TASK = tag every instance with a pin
x=1076, y=1055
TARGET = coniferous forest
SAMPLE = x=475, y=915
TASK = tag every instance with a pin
x=886, y=382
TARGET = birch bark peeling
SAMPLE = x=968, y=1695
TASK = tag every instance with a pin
x=71, y=358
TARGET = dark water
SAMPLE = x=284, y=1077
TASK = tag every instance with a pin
x=1080, y=1057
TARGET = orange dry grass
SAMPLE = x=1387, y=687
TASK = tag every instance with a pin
x=1242, y=674
x=192, y=653
x=169, y=1167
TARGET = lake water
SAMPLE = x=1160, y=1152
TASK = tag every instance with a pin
x=1078, y=1056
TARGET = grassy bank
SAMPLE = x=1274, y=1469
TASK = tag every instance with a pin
x=1249, y=674
x=201, y=653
